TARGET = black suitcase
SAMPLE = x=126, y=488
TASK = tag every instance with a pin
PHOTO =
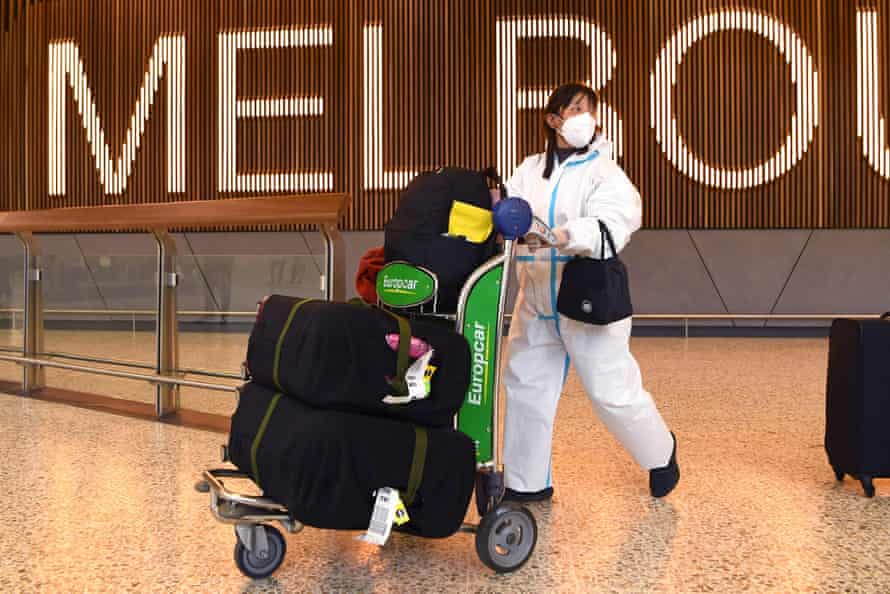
x=324, y=466
x=857, y=411
x=335, y=356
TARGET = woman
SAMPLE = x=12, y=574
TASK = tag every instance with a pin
x=573, y=186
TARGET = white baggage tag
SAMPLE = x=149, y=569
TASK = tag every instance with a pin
x=540, y=234
x=415, y=380
x=388, y=510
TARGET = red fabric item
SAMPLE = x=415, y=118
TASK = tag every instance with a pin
x=366, y=276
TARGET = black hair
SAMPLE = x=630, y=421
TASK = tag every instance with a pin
x=560, y=99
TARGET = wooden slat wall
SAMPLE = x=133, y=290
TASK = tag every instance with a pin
x=12, y=105
x=733, y=101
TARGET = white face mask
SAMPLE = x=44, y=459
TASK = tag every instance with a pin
x=578, y=130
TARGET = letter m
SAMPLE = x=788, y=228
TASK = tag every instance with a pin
x=66, y=70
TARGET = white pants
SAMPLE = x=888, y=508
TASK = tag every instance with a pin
x=537, y=364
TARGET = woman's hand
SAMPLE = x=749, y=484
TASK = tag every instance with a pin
x=562, y=237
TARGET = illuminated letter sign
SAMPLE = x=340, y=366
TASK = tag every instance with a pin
x=803, y=123
x=870, y=126
x=372, y=117
x=167, y=65
x=510, y=99
x=231, y=108
x=65, y=64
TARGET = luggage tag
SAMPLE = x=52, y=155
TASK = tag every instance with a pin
x=428, y=378
x=416, y=380
x=539, y=235
x=388, y=510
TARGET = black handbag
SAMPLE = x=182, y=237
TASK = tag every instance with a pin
x=595, y=291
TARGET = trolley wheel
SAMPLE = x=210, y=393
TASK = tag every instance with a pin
x=259, y=565
x=838, y=473
x=506, y=537
x=867, y=485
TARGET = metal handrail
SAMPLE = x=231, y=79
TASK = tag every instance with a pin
x=150, y=378
x=75, y=357
x=322, y=211
x=124, y=363
x=646, y=316
x=131, y=312
x=161, y=379
x=207, y=373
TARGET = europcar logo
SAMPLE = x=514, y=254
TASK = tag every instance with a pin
x=479, y=369
x=399, y=285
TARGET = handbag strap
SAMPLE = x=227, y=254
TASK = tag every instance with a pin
x=606, y=235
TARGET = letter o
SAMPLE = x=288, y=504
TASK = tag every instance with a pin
x=803, y=75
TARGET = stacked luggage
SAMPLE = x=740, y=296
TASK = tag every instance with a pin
x=328, y=416
x=443, y=223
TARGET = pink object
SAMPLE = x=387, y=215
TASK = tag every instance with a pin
x=418, y=348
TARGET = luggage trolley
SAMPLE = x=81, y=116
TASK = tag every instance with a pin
x=507, y=533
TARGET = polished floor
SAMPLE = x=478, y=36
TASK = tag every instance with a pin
x=94, y=502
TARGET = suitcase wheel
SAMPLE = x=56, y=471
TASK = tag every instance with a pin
x=867, y=486
x=506, y=537
x=263, y=551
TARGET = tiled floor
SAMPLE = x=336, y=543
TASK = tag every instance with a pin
x=99, y=503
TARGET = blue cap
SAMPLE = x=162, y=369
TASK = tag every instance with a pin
x=512, y=217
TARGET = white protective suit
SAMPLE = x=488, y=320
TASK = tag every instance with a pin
x=586, y=188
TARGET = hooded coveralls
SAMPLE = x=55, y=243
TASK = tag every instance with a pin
x=586, y=188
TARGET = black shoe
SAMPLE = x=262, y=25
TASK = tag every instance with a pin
x=663, y=480
x=527, y=496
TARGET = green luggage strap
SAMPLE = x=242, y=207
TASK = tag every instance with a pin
x=418, y=460
x=417, y=463
x=278, y=345
x=403, y=361
x=258, y=438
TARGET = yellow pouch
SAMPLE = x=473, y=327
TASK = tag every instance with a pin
x=469, y=221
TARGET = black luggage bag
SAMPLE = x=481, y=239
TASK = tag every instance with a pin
x=417, y=232
x=324, y=466
x=335, y=356
x=857, y=412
